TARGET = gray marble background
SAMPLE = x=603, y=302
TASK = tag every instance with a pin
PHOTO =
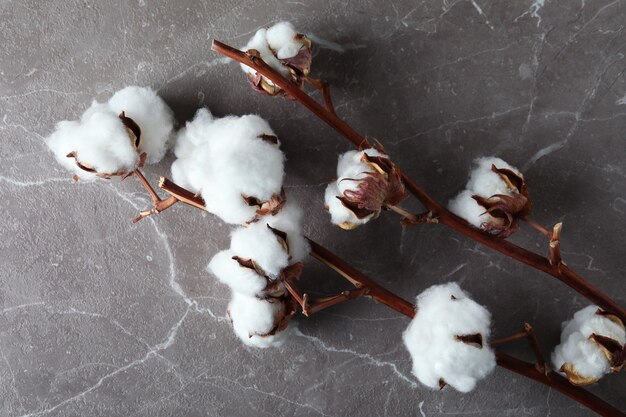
x=100, y=317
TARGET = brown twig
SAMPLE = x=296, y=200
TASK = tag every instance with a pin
x=159, y=205
x=366, y=287
x=324, y=89
x=444, y=216
x=538, y=227
x=555, y=246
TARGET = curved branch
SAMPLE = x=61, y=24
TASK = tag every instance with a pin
x=397, y=303
x=559, y=271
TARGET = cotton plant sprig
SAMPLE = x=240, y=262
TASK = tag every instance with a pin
x=501, y=213
x=437, y=212
x=288, y=52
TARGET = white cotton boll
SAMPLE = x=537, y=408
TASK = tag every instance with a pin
x=100, y=141
x=586, y=356
x=289, y=220
x=431, y=339
x=226, y=160
x=281, y=38
x=340, y=214
x=484, y=182
x=463, y=205
x=259, y=243
x=240, y=279
x=193, y=134
x=252, y=318
x=153, y=116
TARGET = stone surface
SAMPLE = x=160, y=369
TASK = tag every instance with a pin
x=101, y=317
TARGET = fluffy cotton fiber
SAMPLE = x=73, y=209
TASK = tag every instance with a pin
x=252, y=313
x=485, y=183
x=102, y=143
x=274, y=44
x=258, y=241
x=443, y=313
x=350, y=169
x=254, y=318
x=228, y=159
x=583, y=354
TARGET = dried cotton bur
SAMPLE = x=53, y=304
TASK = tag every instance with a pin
x=114, y=138
x=447, y=339
x=285, y=50
x=234, y=163
x=495, y=197
x=367, y=182
x=592, y=345
x=262, y=256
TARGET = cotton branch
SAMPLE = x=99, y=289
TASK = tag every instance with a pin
x=159, y=205
x=443, y=215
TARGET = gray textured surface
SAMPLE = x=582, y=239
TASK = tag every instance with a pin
x=100, y=317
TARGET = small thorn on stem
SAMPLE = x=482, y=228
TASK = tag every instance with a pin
x=555, y=245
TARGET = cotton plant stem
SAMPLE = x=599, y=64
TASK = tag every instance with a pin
x=444, y=216
x=397, y=303
x=159, y=205
x=537, y=372
x=358, y=279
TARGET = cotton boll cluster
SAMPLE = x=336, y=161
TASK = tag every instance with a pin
x=283, y=49
x=116, y=137
x=262, y=256
x=234, y=163
x=447, y=339
x=366, y=182
x=495, y=197
x=592, y=345
x=258, y=322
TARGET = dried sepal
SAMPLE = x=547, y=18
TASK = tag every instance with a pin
x=132, y=128
x=250, y=264
x=508, y=208
x=613, y=350
x=269, y=207
x=475, y=340
x=611, y=317
x=574, y=377
x=281, y=237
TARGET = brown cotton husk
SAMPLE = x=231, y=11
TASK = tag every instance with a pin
x=475, y=340
x=508, y=208
x=250, y=264
x=612, y=350
x=574, y=377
